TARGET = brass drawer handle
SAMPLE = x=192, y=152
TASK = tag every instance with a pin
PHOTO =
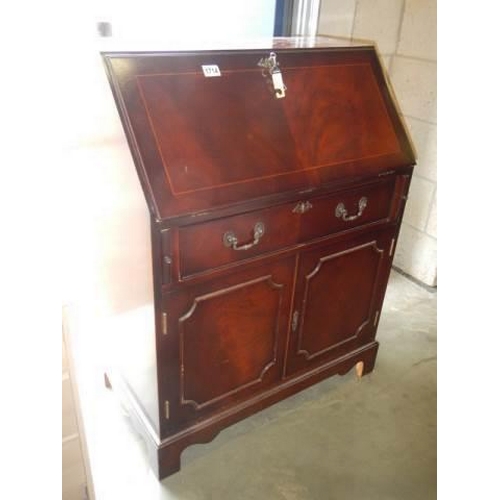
x=302, y=207
x=341, y=211
x=231, y=241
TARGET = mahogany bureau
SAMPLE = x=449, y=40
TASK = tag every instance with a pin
x=276, y=180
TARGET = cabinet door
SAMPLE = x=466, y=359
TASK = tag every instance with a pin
x=226, y=339
x=339, y=291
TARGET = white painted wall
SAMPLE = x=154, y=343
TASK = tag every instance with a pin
x=200, y=19
x=91, y=115
x=405, y=34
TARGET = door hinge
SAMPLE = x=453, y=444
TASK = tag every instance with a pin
x=376, y=318
x=164, y=323
x=167, y=410
x=295, y=320
x=392, y=246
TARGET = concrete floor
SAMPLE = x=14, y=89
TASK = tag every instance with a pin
x=342, y=439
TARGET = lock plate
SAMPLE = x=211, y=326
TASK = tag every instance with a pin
x=271, y=70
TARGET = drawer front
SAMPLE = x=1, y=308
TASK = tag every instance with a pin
x=221, y=242
x=225, y=241
x=348, y=209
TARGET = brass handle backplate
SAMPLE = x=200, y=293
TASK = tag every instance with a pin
x=302, y=207
x=231, y=241
x=341, y=211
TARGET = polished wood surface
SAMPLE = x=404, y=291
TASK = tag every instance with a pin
x=273, y=227
x=183, y=44
x=200, y=142
x=322, y=122
x=226, y=339
x=202, y=245
x=336, y=281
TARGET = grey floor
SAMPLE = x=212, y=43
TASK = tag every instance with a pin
x=342, y=439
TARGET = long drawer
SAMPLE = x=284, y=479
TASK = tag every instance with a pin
x=220, y=242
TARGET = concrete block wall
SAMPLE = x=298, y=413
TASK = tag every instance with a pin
x=405, y=34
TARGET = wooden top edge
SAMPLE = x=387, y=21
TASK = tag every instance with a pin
x=112, y=45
